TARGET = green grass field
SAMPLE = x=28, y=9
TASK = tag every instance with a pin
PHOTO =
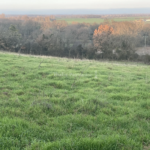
x=66, y=104
x=96, y=20
x=82, y=20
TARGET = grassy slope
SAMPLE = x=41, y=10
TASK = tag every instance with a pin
x=107, y=107
x=95, y=20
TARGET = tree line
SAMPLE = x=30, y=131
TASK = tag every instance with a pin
x=108, y=40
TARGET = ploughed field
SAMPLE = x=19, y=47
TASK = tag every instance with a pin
x=49, y=103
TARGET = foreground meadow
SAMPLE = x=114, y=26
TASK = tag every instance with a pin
x=66, y=104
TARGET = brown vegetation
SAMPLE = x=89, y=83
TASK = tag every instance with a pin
x=46, y=36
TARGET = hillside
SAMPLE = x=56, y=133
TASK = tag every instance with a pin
x=49, y=103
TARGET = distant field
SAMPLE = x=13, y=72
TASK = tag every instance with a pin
x=67, y=104
x=82, y=20
x=96, y=20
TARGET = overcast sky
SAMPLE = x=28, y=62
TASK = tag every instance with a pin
x=72, y=4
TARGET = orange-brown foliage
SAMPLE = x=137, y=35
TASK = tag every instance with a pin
x=103, y=29
x=127, y=28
